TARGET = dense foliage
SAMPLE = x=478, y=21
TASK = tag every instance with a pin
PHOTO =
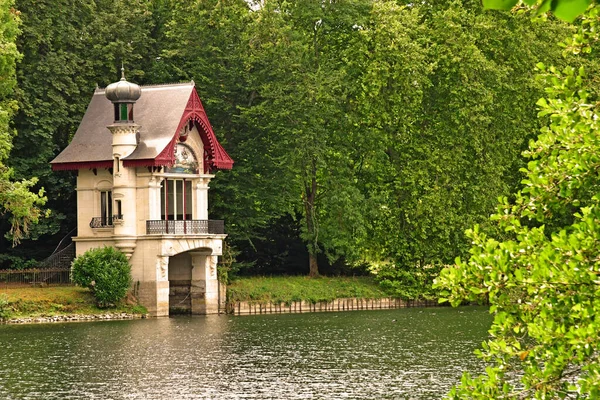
x=542, y=277
x=16, y=198
x=409, y=284
x=64, y=56
x=365, y=133
x=106, y=272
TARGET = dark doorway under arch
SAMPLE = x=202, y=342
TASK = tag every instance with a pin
x=180, y=284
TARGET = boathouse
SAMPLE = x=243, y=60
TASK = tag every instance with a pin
x=144, y=158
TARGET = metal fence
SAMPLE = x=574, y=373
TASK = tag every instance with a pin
x=36, y=276
x=54, y=270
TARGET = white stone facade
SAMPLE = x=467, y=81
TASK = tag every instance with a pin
x=144, y=157
x=152, y=255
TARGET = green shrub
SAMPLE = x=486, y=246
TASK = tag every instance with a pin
x=5, y=308
x=106, y=272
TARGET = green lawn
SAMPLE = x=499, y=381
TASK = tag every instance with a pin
x=48, y=301
x=295, y=288
x=55, y=300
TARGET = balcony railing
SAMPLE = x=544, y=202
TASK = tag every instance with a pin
x=105, y=222
x=185, y=227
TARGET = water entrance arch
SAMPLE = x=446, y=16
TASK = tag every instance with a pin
x=193, y=285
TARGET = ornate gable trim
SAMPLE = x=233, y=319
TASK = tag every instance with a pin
x=215, y=156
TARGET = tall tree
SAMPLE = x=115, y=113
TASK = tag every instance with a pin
x=541, y=277
x=460, y=150
x=16, y=199
x=207, y=41
x=327, y=56
x=65, y=55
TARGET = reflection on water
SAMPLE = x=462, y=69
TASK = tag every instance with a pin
x=392, y=354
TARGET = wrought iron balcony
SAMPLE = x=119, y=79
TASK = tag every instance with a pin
x=106, y=221
x=185, y=227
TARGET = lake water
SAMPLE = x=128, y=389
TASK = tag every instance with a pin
x=390, y=354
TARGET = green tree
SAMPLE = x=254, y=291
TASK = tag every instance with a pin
x=64, y=56
x=16, y=198
x=447, y=161
x=207, y=41
x=566, y=10
x=378, y=118
x=541, y=278
x=331, y=63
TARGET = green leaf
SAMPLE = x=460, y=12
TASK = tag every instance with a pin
x=544, y=7
x=568, y=10
x=499, y=4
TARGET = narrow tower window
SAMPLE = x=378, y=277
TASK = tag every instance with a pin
x=106, y=208
x=124, y=113
x=119, y=214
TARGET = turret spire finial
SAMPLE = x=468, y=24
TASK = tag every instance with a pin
x=122, y=91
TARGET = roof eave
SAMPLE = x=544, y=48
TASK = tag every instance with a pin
x=73, y=166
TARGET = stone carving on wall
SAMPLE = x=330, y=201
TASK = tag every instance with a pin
x=163, y=265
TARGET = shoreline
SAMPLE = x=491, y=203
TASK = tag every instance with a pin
x=72, y=318
x=245, y=308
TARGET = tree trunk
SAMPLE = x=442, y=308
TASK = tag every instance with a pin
x=313, y=267
x=310, y=192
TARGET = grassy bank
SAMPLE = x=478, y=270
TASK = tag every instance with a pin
x=50, y=301
x=296, y=288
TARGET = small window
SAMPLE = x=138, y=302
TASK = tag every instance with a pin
x=119, y=214
x=124, y=113
x=106, y=208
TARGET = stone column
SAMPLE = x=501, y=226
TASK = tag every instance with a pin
x=154, y=295
x=154, y=200
x=201, y=189
x=204, y=286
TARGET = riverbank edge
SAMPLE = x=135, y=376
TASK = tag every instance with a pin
x=337, y=305
x=72, y=318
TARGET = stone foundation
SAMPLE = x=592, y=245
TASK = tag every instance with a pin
x=348, y=304
x=154, y=295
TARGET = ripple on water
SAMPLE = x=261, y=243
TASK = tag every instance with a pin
x=392, y=354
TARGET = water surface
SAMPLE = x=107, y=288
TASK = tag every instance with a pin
x=389, y=354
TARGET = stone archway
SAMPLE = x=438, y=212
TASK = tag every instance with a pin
x=193, y=284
